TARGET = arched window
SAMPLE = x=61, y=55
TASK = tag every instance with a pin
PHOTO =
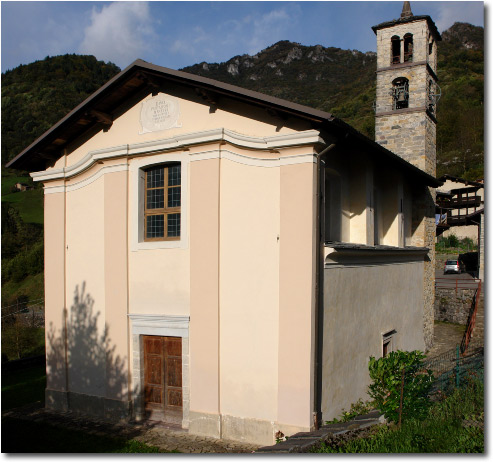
x=408, y=48
x=395, y=50
x=400, y=93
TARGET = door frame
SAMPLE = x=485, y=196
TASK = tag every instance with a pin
x=162, y=326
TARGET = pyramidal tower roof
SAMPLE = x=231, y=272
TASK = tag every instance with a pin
x=406, y=10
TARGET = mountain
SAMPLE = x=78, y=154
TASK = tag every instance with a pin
x=343, y=82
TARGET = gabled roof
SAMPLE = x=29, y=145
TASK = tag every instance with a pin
x=139, y=78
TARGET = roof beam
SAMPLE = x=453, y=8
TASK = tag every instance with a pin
x=101, y=117
x=151, y=81
x=207, y=96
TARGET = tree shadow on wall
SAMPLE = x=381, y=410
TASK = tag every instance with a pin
x=95, y=369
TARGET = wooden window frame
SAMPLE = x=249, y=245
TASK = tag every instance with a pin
x=163, y=210
x=408, y=48
x=388, y=342
x=395, y=58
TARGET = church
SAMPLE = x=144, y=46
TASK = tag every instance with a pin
x=227, y=261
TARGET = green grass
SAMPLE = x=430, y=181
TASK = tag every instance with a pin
x=28, y=203
x=9, y=181
x=23, y=387
x=454, y=425
x=26, y=341
x=31, y=285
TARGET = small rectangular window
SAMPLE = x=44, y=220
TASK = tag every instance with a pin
x=162, y=206
x=388, y=343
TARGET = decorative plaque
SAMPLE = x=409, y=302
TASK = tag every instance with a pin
x=160, y=112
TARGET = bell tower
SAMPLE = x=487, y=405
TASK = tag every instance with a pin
x=407, y=88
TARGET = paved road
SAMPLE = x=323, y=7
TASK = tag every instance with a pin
x=439, y=274
x=464, y=280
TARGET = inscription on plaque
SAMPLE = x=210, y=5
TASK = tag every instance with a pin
x=158, y=113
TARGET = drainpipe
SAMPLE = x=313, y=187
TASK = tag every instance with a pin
x=319, y=307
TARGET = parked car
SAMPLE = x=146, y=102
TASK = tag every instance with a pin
x=454, y=266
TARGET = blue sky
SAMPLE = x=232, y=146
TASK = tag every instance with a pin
x=177, y=34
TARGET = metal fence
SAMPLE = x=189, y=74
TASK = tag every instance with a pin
x=457, y=283
x=452, y=369
x=29, y=315
x=431, y=380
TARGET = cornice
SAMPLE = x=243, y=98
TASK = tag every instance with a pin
x=181, y=142
x=399, y=66
x=408, y=110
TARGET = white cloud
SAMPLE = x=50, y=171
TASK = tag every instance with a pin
x=270, y=28
x=120, y=32
x=251, y=34
x=471, y=12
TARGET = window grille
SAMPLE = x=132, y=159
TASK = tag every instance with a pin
x=162, y=202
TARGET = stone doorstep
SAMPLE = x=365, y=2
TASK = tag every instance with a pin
x=304, y=441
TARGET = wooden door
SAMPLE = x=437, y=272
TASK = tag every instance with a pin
x=163, y=380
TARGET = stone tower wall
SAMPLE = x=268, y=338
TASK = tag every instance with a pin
x=406, y=134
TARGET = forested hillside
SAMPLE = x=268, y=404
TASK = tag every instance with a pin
x=37, y=95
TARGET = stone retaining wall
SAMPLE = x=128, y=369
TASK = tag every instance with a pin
x=452, y=306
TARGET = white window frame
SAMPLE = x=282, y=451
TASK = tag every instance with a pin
x=137, y=176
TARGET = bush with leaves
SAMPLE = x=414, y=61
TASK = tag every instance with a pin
x=386, y=375
x=360, y=407
x=451, y=241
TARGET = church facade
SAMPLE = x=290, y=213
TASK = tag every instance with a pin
x=227, y=261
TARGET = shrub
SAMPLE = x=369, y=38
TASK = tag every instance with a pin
x=454, y=425
x=359, y=408
x=386, y=374
x=467, y=243
x=451, y=241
